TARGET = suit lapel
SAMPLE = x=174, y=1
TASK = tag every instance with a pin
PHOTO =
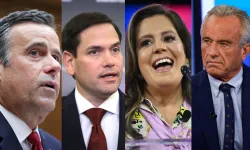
x=206, y=110
x=71, y=126
x=45, y=143
x=245, y=107
x=8, y=139
x=121, y=139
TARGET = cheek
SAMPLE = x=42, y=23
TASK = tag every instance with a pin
x=119, y=62
x=143, y=57
x=178, y=51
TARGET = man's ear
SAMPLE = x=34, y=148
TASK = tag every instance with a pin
x=245, y=51
x=1, y=70
x=69, y=62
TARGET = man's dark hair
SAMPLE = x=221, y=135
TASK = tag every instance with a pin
x=36, y=16
x=71, y=31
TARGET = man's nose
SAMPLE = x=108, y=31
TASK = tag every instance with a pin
x=52, y=67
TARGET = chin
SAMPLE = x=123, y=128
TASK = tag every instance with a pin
x=47, y=104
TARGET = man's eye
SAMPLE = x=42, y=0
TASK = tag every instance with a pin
x=223, y=44
x=93, y=52
x=56, y=57
x=116, y=49
x=206, y=41
x=34, y=53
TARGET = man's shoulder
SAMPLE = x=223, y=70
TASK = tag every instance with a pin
x=68, y=100
x=49, y=139
x=200, y=76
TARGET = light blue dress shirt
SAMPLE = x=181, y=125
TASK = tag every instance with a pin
x=219, y=108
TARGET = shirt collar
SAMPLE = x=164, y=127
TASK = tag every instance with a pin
x=20, y=128
x=235, y=82
x=111, y=104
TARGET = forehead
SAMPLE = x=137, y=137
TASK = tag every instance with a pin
x=222, y=27
x=24, y=33
x=100, y=34
x=154, y=25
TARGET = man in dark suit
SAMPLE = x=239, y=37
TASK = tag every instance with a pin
x=221, y=97
x=29, y=79
x=93, y=113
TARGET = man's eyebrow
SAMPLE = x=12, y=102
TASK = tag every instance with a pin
x=57, y=51
x=116, y=44
x=36, y=43
x=100, y=47
x=94, y=47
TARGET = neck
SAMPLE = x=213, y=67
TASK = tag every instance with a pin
x=163, y=97
x=31, y=116
x=94, y=98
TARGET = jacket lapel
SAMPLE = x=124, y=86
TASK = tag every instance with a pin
x=245, y=107
x=205, y=112
x=8, y=139
x=121, y=139
x=71, y=127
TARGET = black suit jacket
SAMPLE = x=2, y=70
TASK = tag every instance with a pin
x=9, y=141
x=72, y=137
x=204, y=125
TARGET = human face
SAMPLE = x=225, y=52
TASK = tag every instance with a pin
x=222, y=55
x=158, y=43
x=31, y=81
x=99, y=62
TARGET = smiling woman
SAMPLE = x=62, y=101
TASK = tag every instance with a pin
x=158, y=96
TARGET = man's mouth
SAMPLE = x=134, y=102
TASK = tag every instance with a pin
x=109, y=75
x=50, y=84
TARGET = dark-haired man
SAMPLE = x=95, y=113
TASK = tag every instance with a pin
x=93, y=113
x=29, y=79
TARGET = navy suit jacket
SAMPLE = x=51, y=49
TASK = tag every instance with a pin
x=204, y=126
x=72, y=137
x=9, y=141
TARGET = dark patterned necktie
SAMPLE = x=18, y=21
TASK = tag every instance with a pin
x=34, y=139
x=229, y=117
x=97, y=139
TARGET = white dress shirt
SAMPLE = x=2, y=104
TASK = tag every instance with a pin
x=109, y=123
x=219, y=108
x=20, y=128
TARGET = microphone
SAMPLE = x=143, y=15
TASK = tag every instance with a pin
x=186, y=116
x=212, y=115
x=186, y=71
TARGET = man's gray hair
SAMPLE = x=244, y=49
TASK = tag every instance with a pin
x=225, y=10
x=36, y=16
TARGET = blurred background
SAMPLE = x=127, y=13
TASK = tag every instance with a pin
x=113, y=8
x=53, y=122
x=200, y=9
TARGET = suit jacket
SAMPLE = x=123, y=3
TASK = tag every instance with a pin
x=72, y=137
x=9, y=141
x=204, y=127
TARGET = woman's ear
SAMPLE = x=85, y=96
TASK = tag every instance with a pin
x=69, y=62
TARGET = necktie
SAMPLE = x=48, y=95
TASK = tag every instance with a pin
x=229, y=117
x=34, y=139
x=97, y=138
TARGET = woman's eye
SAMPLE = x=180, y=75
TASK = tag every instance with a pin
x=169, y=38
x=145, y=43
